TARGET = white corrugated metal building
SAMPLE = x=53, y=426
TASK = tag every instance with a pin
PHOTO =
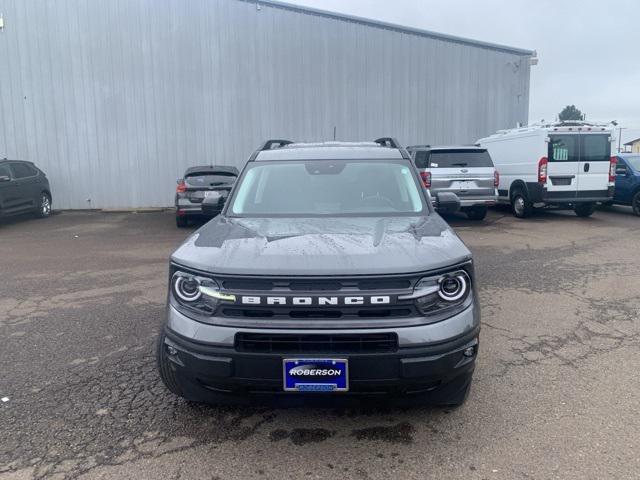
x=115, y=99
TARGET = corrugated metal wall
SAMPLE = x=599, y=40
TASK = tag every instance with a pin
x=114, y=99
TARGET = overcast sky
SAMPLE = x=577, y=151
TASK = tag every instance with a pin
x=589, y=50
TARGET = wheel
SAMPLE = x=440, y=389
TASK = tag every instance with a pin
x=635, y=204
x=167, y=374
x=584, y=209
x=476, y=213
x=520, y=204
x=44, y=207
x=181, y=222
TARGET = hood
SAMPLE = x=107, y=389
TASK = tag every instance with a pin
x=322, y=246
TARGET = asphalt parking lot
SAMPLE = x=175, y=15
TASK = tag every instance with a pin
x=555, y=392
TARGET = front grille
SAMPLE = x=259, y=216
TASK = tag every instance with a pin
x=394, y=286
x=310, y=313
x=319, y=285
x=324, y=344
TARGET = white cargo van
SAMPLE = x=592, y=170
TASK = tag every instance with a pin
x=566, y=164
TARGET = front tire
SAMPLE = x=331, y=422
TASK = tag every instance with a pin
x=476, y=213
x=584, y=209
x=166, y=370
x=635, y=204
x=520, y=204
x=44, y=207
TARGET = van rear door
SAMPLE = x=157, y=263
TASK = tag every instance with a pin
x=564, y=163
x=593, y=169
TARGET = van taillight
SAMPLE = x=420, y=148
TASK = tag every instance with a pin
x=542, y=170
x=182, y=187
x=426, y=179
x=613, y=161
x=496, y=178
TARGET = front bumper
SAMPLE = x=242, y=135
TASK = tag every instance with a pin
x=429, y=360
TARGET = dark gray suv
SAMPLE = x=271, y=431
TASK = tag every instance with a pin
x=328, y=275
x=24, y=188
x=202, y=191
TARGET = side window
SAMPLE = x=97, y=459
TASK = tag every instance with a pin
x=621, y=168
x=22, y=170
x=422, y=159
x=5, y=171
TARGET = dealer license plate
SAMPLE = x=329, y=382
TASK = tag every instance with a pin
x=315, y=374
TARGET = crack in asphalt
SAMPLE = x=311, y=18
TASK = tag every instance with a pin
x=136, y=410
x=584, y=338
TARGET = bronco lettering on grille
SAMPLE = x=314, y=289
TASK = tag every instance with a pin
x=316, y=301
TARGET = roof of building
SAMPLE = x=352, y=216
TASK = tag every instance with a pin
x=631, y=142
x=392, y=26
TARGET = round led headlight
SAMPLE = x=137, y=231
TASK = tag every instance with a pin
x=454, y=286
x=187, y=288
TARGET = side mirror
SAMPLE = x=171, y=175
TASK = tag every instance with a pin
x=447, y=202
x=621, y=171
x=5, y=178
x=212, y=205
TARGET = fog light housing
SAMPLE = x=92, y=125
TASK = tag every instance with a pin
x=469, y=351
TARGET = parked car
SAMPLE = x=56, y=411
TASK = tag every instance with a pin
x=563, y=164
x=24, y=188
x=202, y=192
x=628, y=181
x=328, y=272
x=466, y=171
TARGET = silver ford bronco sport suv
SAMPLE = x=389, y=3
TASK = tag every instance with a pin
x=327, y=275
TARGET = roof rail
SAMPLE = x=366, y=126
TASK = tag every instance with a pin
x=268, y=145
x=418, y=146
x=388, y=142
x=557, y=124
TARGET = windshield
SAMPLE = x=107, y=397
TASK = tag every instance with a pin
x=455, y=159
x=207, y=179
x=634, y=162
x=328, y=187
